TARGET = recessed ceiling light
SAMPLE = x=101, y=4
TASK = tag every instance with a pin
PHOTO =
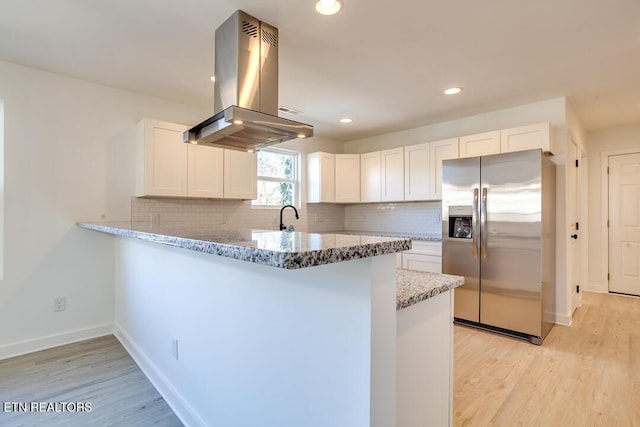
x=346, y=120
x=213, y=78
x=328, y=7
x=453, y=90
x=302, y=135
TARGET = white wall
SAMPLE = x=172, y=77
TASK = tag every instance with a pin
x=57, y=132
x=599, y=143
x=554, y=111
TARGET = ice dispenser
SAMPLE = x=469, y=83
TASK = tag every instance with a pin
x=460, y=222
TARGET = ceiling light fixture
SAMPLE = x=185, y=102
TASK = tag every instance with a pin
x=213, y=79
x=328, y=7
x=346, y=120
x=453, y=90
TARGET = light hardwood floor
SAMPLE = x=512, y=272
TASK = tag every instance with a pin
x=584, y=375
x=99, y=371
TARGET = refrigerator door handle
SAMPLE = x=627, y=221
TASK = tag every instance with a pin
x=474, y=221
x=483, y=226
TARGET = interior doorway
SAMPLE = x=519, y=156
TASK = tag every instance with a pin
x=624, y=223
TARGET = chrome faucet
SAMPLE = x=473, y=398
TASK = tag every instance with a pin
x=282, y=226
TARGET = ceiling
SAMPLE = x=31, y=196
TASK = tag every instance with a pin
x=385, y=64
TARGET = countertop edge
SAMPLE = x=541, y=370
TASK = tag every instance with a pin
x=413, y=287
x=267, y=257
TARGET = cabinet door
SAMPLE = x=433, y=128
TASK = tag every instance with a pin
x=205, y=171
x=416, y=172
x=240, y=175
x=321, y=179
x=347, y=178
x=370, y=177
x=392, y=162
x=480, y=144
x=163, y=164
x=526, y=138
x=420, y=262
x=439, y=151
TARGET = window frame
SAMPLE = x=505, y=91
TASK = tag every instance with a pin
x=295, y=180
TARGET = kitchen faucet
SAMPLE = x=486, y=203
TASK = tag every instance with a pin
x=282, y=226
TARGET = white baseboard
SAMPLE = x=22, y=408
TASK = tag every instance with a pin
x=564, y=319
x=601, y=288
x=174, y=399
x=29, y=346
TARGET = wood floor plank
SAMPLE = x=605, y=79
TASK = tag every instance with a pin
x=99, y=371
x=584, y=375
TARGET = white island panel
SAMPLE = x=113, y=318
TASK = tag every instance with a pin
x=260, y=345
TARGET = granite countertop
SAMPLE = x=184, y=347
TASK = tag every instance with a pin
x=282, y=249
x=403, y=235
x=413, y=286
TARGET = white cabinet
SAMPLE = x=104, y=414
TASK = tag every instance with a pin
x=240, y=175
x=205, y=171
x=392, y=182
x=321, y=177
x=423, y=256
x=161, y=159
x=439, y=151
x=417, y=173
x=347, y=178
x=370, y=178
x=526, y=138
x=480, y=144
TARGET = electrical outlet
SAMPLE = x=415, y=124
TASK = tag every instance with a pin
x=60, y=304
x=174, y=348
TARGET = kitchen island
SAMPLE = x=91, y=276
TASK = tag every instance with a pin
x=278, y=329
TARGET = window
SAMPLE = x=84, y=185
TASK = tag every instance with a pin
x=277, y=178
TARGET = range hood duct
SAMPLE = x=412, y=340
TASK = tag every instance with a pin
x=246, y=90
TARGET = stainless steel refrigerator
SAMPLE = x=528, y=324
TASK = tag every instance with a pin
x=498, y=231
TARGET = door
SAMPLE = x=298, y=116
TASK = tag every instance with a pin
x=624, y=224
x=416, y=172
x=370, y=177
x=511, y=241
x=438, y=152
x=347, y=178
x=460, y=188
x=392, y=182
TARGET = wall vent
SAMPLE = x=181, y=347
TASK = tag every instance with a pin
x=288, y=110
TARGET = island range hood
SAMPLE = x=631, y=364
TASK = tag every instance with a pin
x=246, y=90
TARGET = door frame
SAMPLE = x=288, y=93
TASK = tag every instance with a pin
x=604, y=280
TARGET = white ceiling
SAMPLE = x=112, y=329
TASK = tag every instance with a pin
x=385, y=66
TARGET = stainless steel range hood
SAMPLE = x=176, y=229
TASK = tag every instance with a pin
x=246, y=90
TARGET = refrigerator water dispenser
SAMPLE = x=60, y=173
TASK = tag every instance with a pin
x=460, y=222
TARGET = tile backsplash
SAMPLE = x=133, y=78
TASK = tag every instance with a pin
x=234, y=213
x=411, y=217
x=415, y=217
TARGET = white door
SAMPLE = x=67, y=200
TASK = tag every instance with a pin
x=624, y=223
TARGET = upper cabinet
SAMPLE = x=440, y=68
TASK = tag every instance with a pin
x=370, y=177
x=439, y=151
x=161, y=158
x=480, y=144
x=413, y=172
x=240, y=175
x=392, y=182
x=347, y=178
x=205, y=167
x=321, y=177
x=167, y=167
x=417, y=174
x=526, y=138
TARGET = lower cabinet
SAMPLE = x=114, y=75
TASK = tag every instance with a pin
x=423, y=256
